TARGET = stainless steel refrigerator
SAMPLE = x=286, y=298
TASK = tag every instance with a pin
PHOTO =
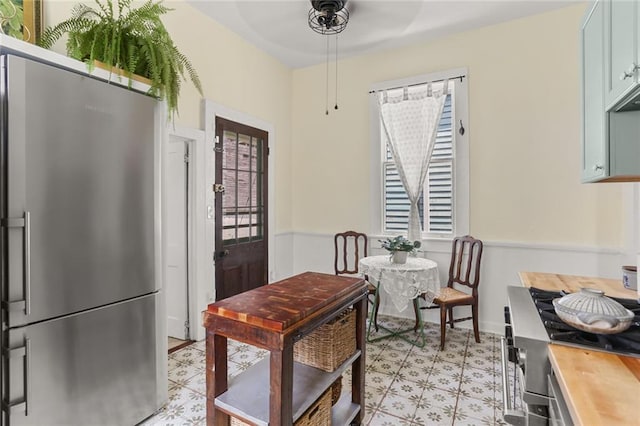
x=81, y=307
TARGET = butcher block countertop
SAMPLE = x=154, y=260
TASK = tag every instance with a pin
x=278, y=307
x=599, y=388
x=573, y=283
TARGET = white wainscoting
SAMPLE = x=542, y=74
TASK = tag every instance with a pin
x=299, y=252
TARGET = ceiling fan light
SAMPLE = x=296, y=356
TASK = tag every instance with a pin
x=328, y=16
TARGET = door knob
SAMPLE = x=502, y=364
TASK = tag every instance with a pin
x=222, y=253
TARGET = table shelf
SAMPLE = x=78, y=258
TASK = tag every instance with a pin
x=248, y=394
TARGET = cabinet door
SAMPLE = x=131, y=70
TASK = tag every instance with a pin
x=620, y=48
x=594, y=142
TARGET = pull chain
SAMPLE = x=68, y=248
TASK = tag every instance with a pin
x=336, y=107
x=326, y=101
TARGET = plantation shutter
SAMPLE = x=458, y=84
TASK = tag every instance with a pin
x=438, y=187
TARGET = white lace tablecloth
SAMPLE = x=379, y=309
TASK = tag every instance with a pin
x=403, y=282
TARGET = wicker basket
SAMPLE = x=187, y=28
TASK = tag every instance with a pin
x=336, y=390
x=319, y=414
x=330, y=344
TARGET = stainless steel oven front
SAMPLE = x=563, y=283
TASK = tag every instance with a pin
x=525, y=363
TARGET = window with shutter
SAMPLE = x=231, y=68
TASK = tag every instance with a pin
x=444, y=202
x=438, y=188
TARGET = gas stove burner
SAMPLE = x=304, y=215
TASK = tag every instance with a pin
x=626, y=342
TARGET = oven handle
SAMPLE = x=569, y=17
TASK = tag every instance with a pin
x=511, y=416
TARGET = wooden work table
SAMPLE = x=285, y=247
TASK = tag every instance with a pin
x=274, y=317
x=599, y=388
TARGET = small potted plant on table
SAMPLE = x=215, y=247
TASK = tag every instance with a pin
x=399, y=247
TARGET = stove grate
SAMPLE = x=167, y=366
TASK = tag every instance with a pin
x=626, y=342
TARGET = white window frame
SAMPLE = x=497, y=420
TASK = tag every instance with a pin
x=461, y=152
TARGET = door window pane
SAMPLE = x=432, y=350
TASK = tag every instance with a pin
x=229, y=182
x=257, y=187
x=229, y=149
x=245, y=188
x=257, y=153
x=229, y=224
x=244, y=152
x=244, y=233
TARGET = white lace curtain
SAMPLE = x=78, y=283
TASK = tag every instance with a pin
x=410, y=118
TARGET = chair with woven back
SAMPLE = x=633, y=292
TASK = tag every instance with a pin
x=350, y=247
x=465, y=275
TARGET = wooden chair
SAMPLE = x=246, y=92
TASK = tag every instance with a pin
x=350, y=247
x=465, y=274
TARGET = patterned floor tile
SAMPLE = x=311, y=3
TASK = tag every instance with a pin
x=405, y=389
x=435, y=414
x=470, y=421
x=414, y=371
x=189, y=355
x=184, y=371
x=445, y=375
x=195, y=408
x=405, y=384
x=173, y=363
x=475, y=408
x=387, y=366
x=454, y=353
x=197, y=383
x=380, y=418
x=480, y=350
x=400, y=406
x=199, y=345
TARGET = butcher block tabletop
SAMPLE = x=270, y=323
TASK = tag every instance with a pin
x=279, y=305
x=573, y=283
x=599, y=388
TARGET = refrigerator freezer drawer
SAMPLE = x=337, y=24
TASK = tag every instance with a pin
x=99, y=367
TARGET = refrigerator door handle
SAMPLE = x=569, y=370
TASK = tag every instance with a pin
x=27, y=266
x=27, y=375
x=23, y=222
x=23, y=405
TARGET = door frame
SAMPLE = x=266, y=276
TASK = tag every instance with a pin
x=197, y=279
x=210, y=110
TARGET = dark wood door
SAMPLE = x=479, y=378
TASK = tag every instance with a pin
x=241, y=208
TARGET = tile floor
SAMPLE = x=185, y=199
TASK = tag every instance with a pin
x=405, y=385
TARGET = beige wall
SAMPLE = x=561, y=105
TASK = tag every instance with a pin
x=234, y=74
x=524, y=125
x=524, y=135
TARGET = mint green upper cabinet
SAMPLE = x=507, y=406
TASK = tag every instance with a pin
x=595, y=164
x=621, y=49
x=610, y=140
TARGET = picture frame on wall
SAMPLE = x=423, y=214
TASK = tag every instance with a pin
x=21, y=19
x=32, y=23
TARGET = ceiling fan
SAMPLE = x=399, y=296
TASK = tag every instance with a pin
x=328, y=16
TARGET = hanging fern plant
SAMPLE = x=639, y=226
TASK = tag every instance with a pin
x=134, y=40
